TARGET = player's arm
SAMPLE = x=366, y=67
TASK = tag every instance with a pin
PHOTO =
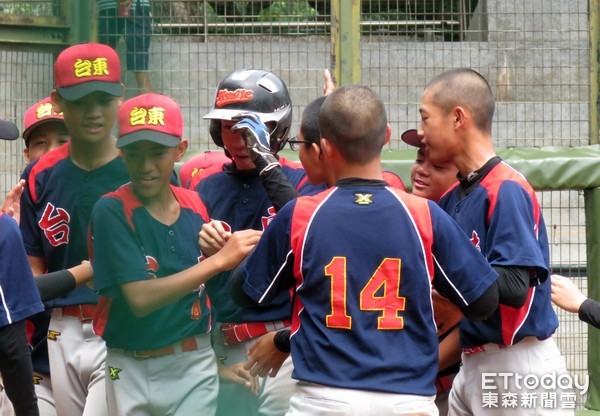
x=567, y=296
x=55, y=284
x=12, y=203
x=257, y=136
x=38, y=265
x=146, y=296
x=513, y=284
x=449, y=350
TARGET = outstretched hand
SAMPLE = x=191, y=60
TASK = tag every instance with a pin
x=237, y=374
x=329, y=86
x=258, y=140
x=12, y=204
x=565, y=294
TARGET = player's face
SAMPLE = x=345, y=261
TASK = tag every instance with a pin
x=150, y=166
x=312, y=161
x=91, y=118
x=236, y=146
x=430, y=180
x=44, y=138
x=437, y=129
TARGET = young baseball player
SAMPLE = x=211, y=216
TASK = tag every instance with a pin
x=363, y=335
x=19, y=301
x=566, y=295
x=154, y=313
x=250, y=119
x=62, y=187
x=45, y=130
x=498, y=210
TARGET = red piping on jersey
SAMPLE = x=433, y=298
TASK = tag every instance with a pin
x=46, y=161
x=190, y=200
x=512, y=319
x=304, y=211
x=129, y=200
x=393, y=180
x=101, y=315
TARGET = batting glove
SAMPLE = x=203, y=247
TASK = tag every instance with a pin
x=257, y=138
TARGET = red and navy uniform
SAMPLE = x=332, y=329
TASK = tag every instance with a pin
x=20, y=298
x=239, y=199
x=129, y=245
x=362, y=257
x=499, y=212
x=56, y=208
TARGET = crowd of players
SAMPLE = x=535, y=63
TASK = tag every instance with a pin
x=266, y=286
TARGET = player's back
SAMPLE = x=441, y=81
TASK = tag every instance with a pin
x=362, y=261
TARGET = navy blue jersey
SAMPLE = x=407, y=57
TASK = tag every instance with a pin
x=363, y=314
x=503, y=219
x=56, y=208
x=19, y=295
x=240, y=201
x=129, y=245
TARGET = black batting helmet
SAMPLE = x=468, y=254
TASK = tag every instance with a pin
x=253, y=91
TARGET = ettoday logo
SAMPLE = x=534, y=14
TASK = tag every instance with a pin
x=550, y=391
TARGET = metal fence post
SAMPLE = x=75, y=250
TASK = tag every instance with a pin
x=345, y=41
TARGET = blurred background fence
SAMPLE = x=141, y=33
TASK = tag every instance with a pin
x=540, y=57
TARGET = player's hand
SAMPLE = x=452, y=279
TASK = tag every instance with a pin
x=257, y=137
x=565, y=294
x=264, y=359
x=237, y=374
x=329, y=86
x=12, y=204
x=212, y=237
x=445, y=313
x=239, y=245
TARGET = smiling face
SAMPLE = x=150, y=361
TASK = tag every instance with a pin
x=236, y=146
x=430, y=180
x=91, y=118
x=437, y=130
x=46, y=137
x=150, y=166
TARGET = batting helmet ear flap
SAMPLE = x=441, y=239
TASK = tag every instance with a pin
x=215, y=132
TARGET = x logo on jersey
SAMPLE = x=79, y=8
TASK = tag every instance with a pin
x=363, y=199
x=114, y=373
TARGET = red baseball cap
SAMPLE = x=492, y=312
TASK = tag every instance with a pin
x=411, y=137
x=83, y=69
x=200, y=162
x=38, y=114
x=152, y=117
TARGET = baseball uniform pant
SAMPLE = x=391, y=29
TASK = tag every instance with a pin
x=77, y=358
x=183, y=383
x=43, y=390
x=274, y=392
x=493, y=381
x=16, y=369
x=6, y=408
x=315, y=399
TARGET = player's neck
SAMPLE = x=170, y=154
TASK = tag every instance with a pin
x=90, y=156
x=163, y=207
x=371, y=170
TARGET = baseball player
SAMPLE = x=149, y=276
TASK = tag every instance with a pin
x=198, y=163
x=363, y=292
x=20, y=300
x=250, y=119
x=430, y=180
x=62, y=187
x=498, y=210
x=154, y=313
x=45, y=130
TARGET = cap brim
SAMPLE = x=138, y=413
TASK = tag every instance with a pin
x=8, y=130
x=78, y=91
x=163, y=139
x=28, y=130
x=412, y=138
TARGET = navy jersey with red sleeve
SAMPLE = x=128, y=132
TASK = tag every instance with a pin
x=363, y=314
x=56, y=208
x=20, y=298
x=240, y=201
x=501, y=215
x=130, y=245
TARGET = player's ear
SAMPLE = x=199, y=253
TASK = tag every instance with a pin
x=316, y=150
x=460, y=116
x=55, y=99
x=327, y=147
x=388, y=133
x=181, y=149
